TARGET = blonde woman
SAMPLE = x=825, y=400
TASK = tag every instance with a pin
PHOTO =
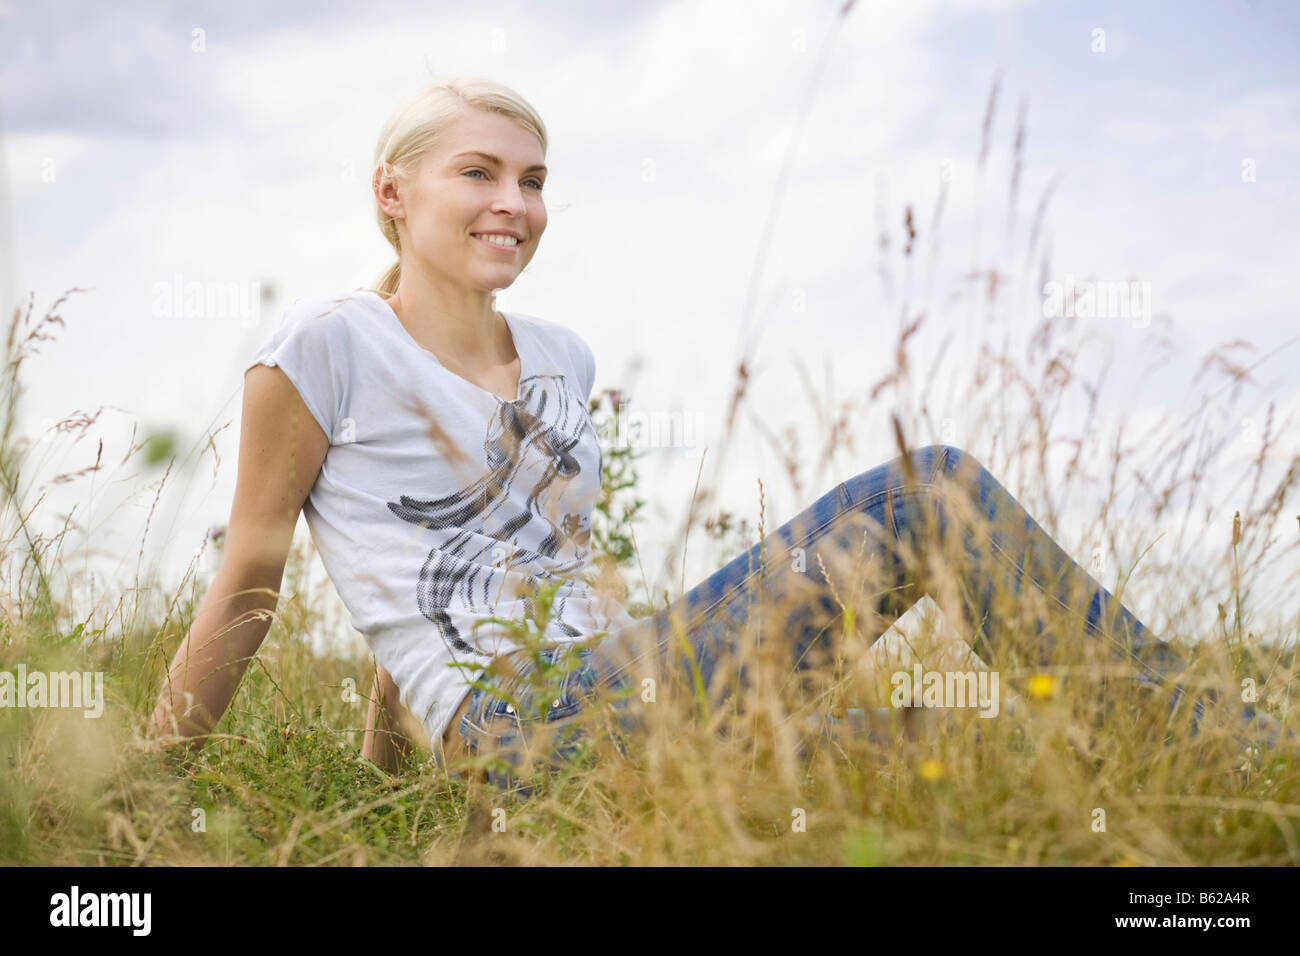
x=443, y=457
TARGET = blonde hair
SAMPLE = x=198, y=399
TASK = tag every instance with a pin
x=414, y=128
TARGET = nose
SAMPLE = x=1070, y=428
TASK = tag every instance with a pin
x=510, y=199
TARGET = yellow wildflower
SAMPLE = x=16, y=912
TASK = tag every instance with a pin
x=931, y=770
x=1042, y=685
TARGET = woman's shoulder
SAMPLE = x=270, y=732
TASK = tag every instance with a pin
x=324, y=315
x=565, y=344
x=552, y=332
x=328, y=308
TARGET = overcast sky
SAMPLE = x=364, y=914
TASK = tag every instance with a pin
x=147, y=144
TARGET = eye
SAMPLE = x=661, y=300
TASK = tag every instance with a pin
x=539, y=185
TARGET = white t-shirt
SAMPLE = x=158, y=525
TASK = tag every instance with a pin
x=438, y=502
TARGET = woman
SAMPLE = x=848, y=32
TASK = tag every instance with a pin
x=442, y=454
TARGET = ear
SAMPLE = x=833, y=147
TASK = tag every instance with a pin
x=385, y=185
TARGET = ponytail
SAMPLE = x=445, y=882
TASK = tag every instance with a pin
x=387, y=282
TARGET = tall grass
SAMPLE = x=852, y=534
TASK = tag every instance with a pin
x=1061, y=780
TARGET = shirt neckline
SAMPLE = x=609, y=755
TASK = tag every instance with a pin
x=515, y=338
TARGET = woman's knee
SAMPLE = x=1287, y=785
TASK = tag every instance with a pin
x=930, y=461
x=918, y=474
x=941, y=472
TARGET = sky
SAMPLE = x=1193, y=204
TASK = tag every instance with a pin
x=721, y=177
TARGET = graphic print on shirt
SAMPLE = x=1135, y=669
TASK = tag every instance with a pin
x=528, y=445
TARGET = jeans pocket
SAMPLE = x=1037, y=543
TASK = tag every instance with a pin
x=575, y=689
x=518, y=703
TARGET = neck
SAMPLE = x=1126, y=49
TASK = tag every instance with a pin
x=454, y=319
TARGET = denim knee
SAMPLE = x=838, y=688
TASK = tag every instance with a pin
x=949, y=459
x=934, y=451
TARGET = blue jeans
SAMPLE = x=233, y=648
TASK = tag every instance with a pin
x=935, y=511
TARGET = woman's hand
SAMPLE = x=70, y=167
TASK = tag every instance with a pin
x=384, y=744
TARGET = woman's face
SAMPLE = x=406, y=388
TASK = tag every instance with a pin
x=457, y=194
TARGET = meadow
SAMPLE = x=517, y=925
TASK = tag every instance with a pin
x=1073, y=774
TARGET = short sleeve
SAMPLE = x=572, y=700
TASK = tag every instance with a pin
x=589, y=367
x=307, y=346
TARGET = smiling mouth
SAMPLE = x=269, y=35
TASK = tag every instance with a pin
x=506, y=243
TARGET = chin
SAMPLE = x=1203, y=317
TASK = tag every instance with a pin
x=494, y=283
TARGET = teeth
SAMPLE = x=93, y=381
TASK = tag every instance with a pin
x=498, y=240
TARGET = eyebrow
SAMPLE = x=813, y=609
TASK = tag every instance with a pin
x=497, y=162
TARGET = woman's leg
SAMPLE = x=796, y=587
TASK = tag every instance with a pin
x=935, y=522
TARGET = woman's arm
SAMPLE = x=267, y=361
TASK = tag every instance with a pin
x=281, y=450
x=384, y=743
x=206, y=671
x=229, y=627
